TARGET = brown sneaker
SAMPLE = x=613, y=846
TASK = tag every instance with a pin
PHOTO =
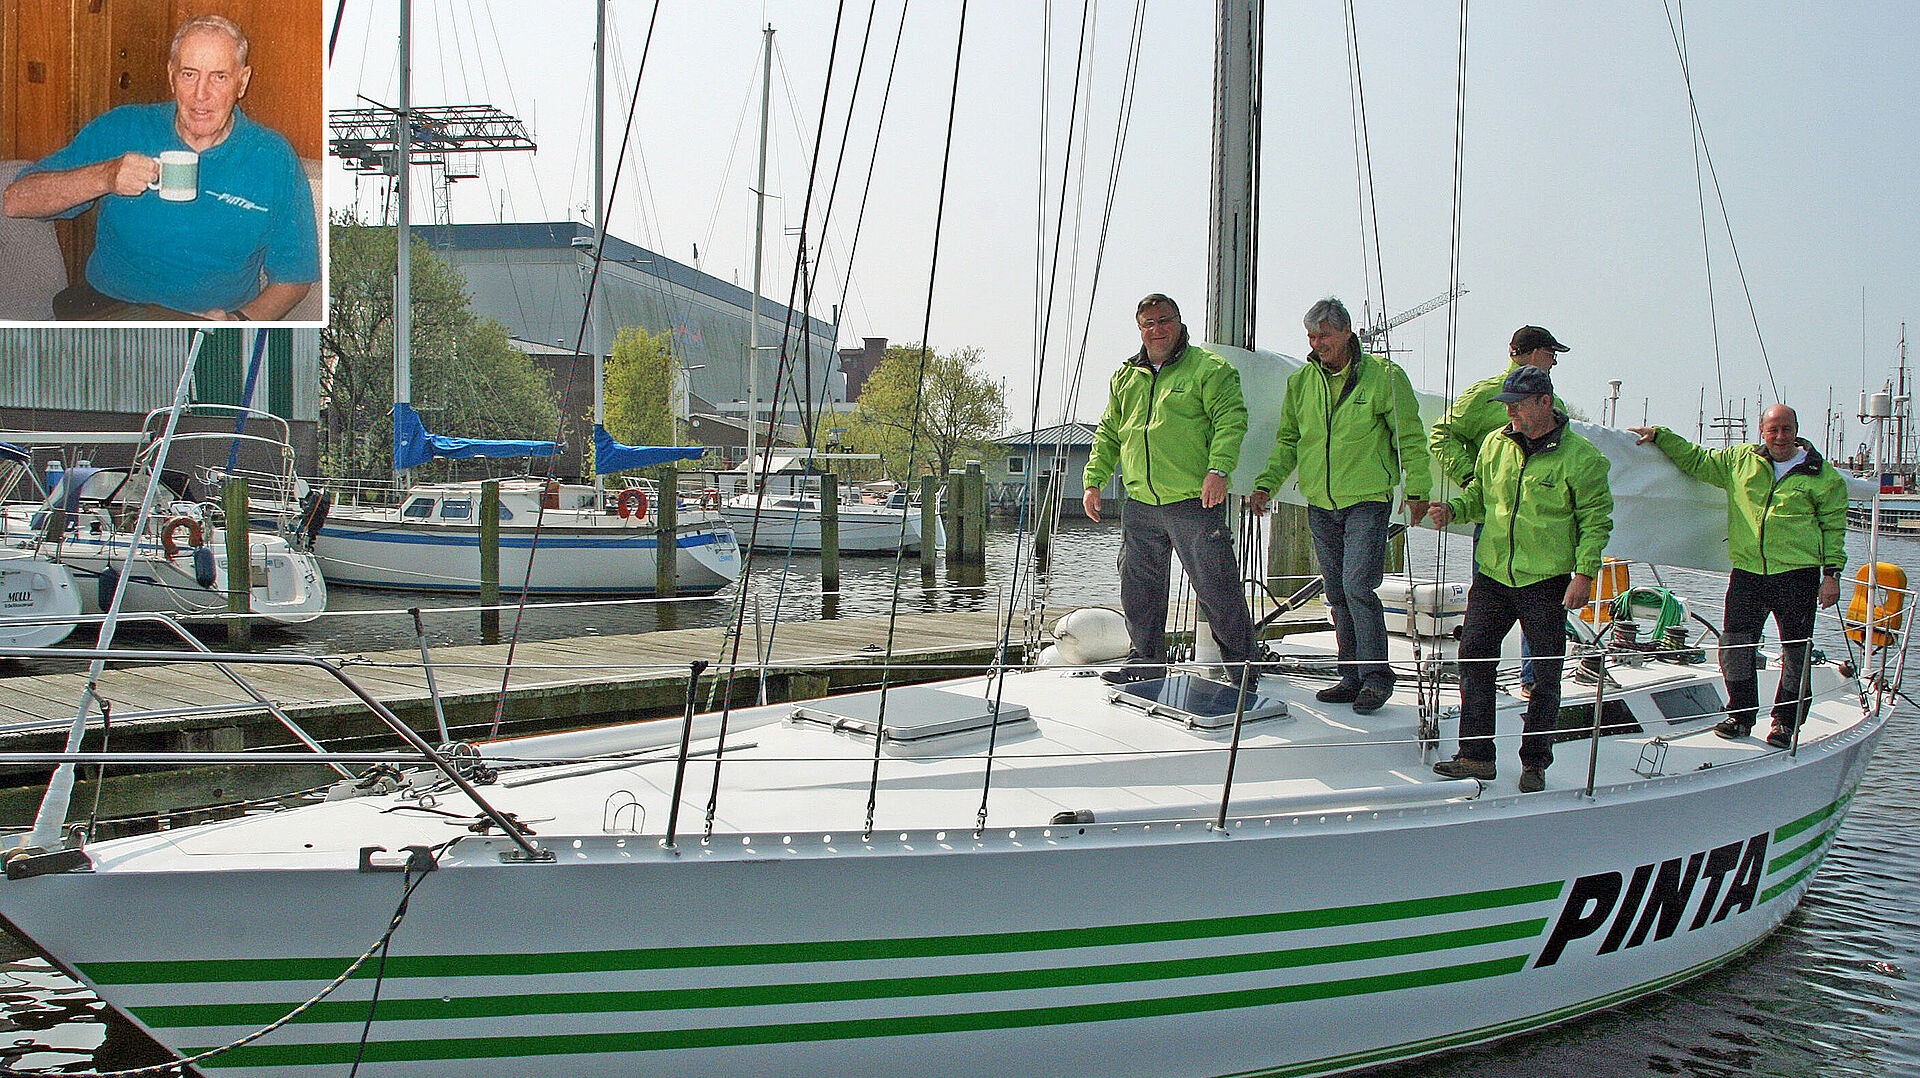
x=1462, y=768
x=1780, y=737
x=1733, y=729
x=1533, y=779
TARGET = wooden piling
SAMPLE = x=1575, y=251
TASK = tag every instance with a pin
x=666, y=517
x=929, y=523
x=1043, y=510
x=1290, y=561
x=490, y=560
x=829, y=532
x=239, y=565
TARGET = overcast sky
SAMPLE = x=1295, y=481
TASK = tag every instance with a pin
x=1580, y=210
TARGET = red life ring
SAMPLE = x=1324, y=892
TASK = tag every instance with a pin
x=633, y=503
x=195, y=535
x=709, y=499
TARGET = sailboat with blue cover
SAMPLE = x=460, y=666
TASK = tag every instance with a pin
x=555, y=538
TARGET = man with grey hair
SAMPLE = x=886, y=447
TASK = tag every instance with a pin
x=203, y=248
x=1351, y=426
x=1173, y=426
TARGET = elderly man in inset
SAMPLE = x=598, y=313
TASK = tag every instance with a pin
x=1173, y=425
x=204, y=251
x=1541, y=491
x=1786, y=537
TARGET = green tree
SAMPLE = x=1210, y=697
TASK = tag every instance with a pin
x=466, y=378
x=639, y=389
x=928, y=412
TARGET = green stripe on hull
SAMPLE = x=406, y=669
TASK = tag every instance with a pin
x=1789, y=830
x=1399, y=1052
x=774, y=995
x=753, y=954
x=393, y=1051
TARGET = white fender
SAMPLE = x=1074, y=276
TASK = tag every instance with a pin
x=1092, y=634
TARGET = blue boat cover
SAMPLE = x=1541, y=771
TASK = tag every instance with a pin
x=610, y=456
x=413, y=446
x=9, y=451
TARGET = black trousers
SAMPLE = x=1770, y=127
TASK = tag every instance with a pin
x=1791, y=598
x=1492, y=608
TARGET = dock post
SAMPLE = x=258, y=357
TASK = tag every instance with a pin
x=829, y=532
x=1290, y=561
x=973, y=522
x=666, y=516
x=490, y=561
x=929, y=523
x=1043, y=510
x=233, y=497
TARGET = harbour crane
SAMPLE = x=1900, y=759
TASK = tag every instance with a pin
x=1375, y=333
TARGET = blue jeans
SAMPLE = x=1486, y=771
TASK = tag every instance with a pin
x=1351, y=546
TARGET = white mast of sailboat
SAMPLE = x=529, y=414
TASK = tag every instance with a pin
x=403, y=272
x=599, y=224
x=759, y=238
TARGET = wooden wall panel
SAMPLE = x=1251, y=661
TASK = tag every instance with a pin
x=40, y=88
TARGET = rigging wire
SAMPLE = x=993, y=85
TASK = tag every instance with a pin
x=566, y=394
x=1675, y=30
x=1368, y=198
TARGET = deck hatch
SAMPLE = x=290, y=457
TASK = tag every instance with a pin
x=1196, y=701
x=916, y=715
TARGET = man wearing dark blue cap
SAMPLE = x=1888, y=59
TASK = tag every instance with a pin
x=1456, y=438
x=1541, y=492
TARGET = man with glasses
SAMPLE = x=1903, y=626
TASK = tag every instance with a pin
x=1173, y=426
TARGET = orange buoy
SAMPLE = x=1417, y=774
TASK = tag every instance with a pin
x=633, y=503
x=169, y=546
x=1885, y=616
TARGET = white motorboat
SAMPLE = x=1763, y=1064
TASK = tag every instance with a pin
x=883, y=525
x=35, y=592
x=579, y=543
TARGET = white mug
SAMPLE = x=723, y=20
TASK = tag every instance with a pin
x=179, y=176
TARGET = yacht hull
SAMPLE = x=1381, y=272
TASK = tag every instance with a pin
x=1298, y=944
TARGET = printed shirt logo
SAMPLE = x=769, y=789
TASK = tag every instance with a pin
x=238, y=201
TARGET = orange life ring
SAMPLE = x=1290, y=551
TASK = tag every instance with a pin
x=1885, y=616
x=195, y=535
x=709, y=499
x=633, y=503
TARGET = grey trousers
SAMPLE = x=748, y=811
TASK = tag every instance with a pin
x=1149, y=536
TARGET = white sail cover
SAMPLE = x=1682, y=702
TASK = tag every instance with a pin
x=1660, y=514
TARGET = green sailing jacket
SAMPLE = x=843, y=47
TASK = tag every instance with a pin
x=1475, y=414
x=1351, y=445
x=1166, y=429
x=1796, y=522
x=1547, y=513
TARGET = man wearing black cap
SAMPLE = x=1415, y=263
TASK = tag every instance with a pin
x=1541, y=491
x=1475, y=414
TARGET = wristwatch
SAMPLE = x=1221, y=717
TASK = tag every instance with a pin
x=1218, y=472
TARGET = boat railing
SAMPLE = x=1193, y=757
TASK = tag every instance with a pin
x=453, y=764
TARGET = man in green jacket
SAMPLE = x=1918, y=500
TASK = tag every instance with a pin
x=1173, y=426
x=1351, y=425
x=1456, y=438
x=1786, y=537
x=1540, y=490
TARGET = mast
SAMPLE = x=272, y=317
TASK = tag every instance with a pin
x=403, y=249
x=759, y=240
x=1234, y=220
x=599, y=223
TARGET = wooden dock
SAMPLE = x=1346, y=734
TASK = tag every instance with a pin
x=553, y=684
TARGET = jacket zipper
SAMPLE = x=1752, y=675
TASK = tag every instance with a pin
x=1153, y=394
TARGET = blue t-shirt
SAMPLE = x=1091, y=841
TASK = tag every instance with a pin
x=254, y=213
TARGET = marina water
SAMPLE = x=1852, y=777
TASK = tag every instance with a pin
x=1835, y=993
